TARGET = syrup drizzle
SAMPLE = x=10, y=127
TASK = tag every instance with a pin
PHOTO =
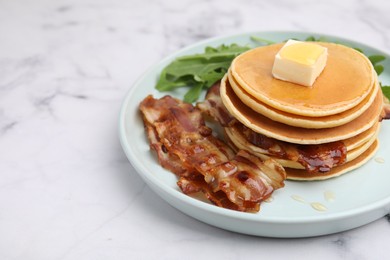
x=318, y=206
x=328, y=196
x=379, y=160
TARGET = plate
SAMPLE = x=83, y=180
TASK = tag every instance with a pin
x=351, y=200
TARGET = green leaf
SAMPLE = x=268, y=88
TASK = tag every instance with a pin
x=310, y=39
x=376, y=59
x=193, y=94
x=224, y=52
x=198, y=71
x=386, y=91
x=195, y=67
x=314, y=39
x=358, y=49
x=379, y=69
x=261, y=40
x=166, y=83
x=213, y=76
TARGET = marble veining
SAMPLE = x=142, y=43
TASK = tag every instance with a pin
x=342, y=243
x=67, y=190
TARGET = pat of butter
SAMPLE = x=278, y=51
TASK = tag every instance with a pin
x=300, y=62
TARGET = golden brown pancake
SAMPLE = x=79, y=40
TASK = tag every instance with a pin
x=298, y=120
x=358, y=140
x=346, y=81
x=280, y=131
x=344, y=104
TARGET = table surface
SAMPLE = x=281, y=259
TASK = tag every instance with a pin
x=67, y=190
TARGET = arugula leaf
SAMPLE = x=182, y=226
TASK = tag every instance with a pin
x=314, y=39
x=193, y=94
x=167, y=83
x=310, y=39
x=198, y=71
x=195, y=67
x=261, y=40
x=221, y=52
x=376, y=59
x=386, y=91
x=358, y=49
x=379, y=69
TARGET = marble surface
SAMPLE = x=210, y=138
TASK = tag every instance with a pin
x=67, y=190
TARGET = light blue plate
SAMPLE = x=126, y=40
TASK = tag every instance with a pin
x=359, y=197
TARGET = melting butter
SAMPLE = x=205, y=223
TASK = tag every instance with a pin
x=300, y=62
x=302, y=52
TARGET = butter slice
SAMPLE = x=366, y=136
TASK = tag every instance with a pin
x=300, y=62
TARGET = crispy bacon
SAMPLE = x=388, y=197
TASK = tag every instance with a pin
x=213, y=106
x=246, y=179
x=315, y=158
x=386, y=109
x=195, y=183
x=242, y=180
x=167, y=160
x=186, y=146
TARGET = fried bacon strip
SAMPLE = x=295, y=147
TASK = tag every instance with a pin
x=186, y=146
x=386, y=109
x=242, y=180
x=196, y=183
x=246, y=178
x=315, y=158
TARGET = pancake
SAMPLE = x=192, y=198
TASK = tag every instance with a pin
x=283, y=132
x=338, y=117
x=358, y=140
x=302, y=175
x=345, y=82
x=355, y=146
x=298, y=120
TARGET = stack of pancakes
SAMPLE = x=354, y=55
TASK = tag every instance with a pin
x=344, y=104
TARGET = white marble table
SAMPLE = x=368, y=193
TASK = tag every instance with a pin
x=67, y=190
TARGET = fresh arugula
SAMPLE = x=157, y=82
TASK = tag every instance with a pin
x=375, y=59
x=201, y=71
x=386, y=91
x=261, y=40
